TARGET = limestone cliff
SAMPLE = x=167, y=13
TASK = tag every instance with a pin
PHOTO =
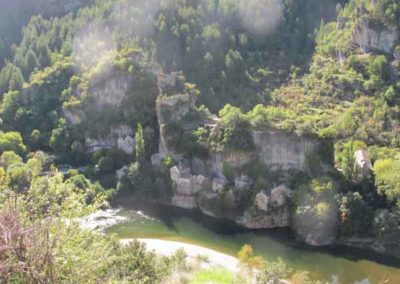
x=278, y=150
x=270, y=210
x=372, y=37
x=106, y=106
x=232, y=184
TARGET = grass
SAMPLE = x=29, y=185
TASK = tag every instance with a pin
x=213, y=276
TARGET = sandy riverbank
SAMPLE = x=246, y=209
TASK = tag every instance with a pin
x=169, y=247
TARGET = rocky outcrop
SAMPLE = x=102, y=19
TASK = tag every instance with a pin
x=363, y=165
x=174, y=103
x=221, y=184
x=110, y=92
x=370, y=36
x=186, y=186
x=282, y=151
x=228, y=159
x=270, y=210
x=119, y=138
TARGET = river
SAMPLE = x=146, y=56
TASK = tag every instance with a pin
x=166, y=223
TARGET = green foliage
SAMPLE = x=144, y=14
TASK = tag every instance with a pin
x=216, y=275
x=356, y=215
x=387, y=177
x=9, y=158
x=273, y=272
x=234, y=131
x=59, y=137
x=316, y=212
x=12, y=141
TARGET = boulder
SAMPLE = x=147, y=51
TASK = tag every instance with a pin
x=253, y=219
x=270, y=210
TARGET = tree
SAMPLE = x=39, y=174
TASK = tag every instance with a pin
x=30, y=62
x=12, y=141
x=234, y=132
x=8, y=158
x=59, y=137
x=355, y=214
x=35, y=138
x=387, y=178
x=246, y=257
x=346, y=160
x=16, y=80
x=139, y=144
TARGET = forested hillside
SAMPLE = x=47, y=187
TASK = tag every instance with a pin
x=127, y=91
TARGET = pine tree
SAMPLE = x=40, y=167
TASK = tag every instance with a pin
x=139, y=143
x=16, y=79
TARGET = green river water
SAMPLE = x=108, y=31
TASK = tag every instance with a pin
x=161, y=222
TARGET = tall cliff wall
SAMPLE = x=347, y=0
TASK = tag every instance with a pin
x=227, y=184
x=279, y=150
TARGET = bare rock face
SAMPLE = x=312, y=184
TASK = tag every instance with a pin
x=174, y=107
x=109, y=90
x=170, y=83
x=363, y=165
x=262, y=201
x=186, y=186
x=270, y=210
x=369, y=37
x=218, y=184
x=281, y=151
x=126, y=144
x=184, y=201
x=173, y=104
x=231, y=159
x=119, y=138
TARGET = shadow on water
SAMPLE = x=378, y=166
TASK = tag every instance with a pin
x=227, y=228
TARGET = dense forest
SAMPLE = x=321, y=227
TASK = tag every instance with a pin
x=72, y=72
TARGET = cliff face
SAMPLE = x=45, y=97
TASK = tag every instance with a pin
x=106, y=106
x=270, y=210
x=222, y=184
x=278, y=150
x=370, y=37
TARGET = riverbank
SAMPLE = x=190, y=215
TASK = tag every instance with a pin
x=361, y=248
x=152, y=221
x=168, y=248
